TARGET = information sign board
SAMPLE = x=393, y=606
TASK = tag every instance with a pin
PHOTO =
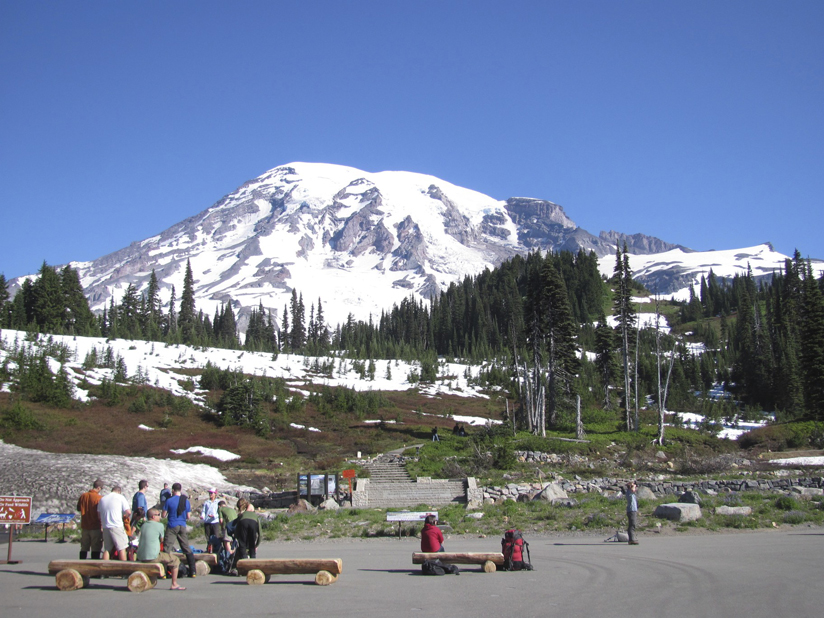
x=15, y=509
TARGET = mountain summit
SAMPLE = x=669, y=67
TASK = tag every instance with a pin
x=359, y=241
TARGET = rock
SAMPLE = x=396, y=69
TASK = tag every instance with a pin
x=733, y=510
x=301, y=506
x=489, y=501
x=644, y=493
x=807, y=491
x=328, y=505
x=678, y=511
x=475, y=515
x=552, y=492
x=690, y=497
x=661, y=456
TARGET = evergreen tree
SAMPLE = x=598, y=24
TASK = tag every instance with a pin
x=5, y=306
x=187, y=317
x=812, y=345
x=625, y=314
x=605, y=357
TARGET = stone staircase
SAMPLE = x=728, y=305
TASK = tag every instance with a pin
x=390, y=486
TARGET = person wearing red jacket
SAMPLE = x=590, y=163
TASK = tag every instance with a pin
x=431, y=535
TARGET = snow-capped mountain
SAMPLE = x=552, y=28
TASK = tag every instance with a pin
x=360, y=242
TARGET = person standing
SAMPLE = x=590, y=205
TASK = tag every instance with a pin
x=112, y=509
x=632, y=512
x=165, y=494
x=148, y=548
x=139, y=499
x=178, y=509
x=91, y=536
x=211, y=521
x=226, y=514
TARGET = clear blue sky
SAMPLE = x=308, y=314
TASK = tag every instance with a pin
x=701, y=123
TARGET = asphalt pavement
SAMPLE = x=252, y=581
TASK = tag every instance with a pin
x=757, y=575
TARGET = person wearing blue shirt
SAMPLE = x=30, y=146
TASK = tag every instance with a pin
x=177, y=510
x=165, y=494
x=139, y=499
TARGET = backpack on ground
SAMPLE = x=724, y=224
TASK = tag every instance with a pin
x=224, y=556
x=512, y=547
x=436, y=567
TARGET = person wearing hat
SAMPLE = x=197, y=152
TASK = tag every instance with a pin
x=210, y=518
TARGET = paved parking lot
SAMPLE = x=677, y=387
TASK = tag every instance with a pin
x=761, y=574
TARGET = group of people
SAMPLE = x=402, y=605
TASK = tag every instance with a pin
x=111, y=528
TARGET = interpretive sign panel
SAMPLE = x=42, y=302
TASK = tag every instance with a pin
x=410, y=515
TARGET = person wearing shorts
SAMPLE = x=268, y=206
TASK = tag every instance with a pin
x=112, y=508
x=148, y=548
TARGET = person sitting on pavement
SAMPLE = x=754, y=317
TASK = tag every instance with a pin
x=113, y=509
x=431, y=535
x=91, y=536
x=148, y=549
x=178, y=510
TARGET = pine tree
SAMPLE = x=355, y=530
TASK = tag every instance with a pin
x=186, y=320
x=605, y=357
x=812, y=345
x=48, y=306
x=5, y=306
x=625, y=314
x=558, y=333
x=79, y=319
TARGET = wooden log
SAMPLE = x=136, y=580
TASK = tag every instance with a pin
x=140, y=582
x=201, y=568
x=68, y=579
x=210, y=559
x=99, y=568
x=256, y=577
x=459, y=558
x=324, y=578
x=489, y=567
x=281, y=566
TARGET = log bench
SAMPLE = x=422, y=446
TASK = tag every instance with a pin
x=257, y=571
x=490, y=561
x=204, y=563
x=75, y=574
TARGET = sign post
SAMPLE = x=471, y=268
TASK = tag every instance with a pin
x=14, y=510
x=349, y=475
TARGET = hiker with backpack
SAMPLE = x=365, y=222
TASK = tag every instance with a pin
x=512, y=547
x=178, y=509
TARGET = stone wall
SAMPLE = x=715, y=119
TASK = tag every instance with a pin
x=512, y=491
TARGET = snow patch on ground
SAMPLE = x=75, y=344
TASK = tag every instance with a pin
x=217, y=453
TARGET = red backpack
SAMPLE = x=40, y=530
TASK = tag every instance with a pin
x=512, y=547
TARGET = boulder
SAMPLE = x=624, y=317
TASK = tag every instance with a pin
x=678, y=511
x=733, y=510
x=475, y=515
x=552, y=492
x=690, y=497
x=644, y=493
x=301, y=506
x=329, y=505
x=807, y=491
